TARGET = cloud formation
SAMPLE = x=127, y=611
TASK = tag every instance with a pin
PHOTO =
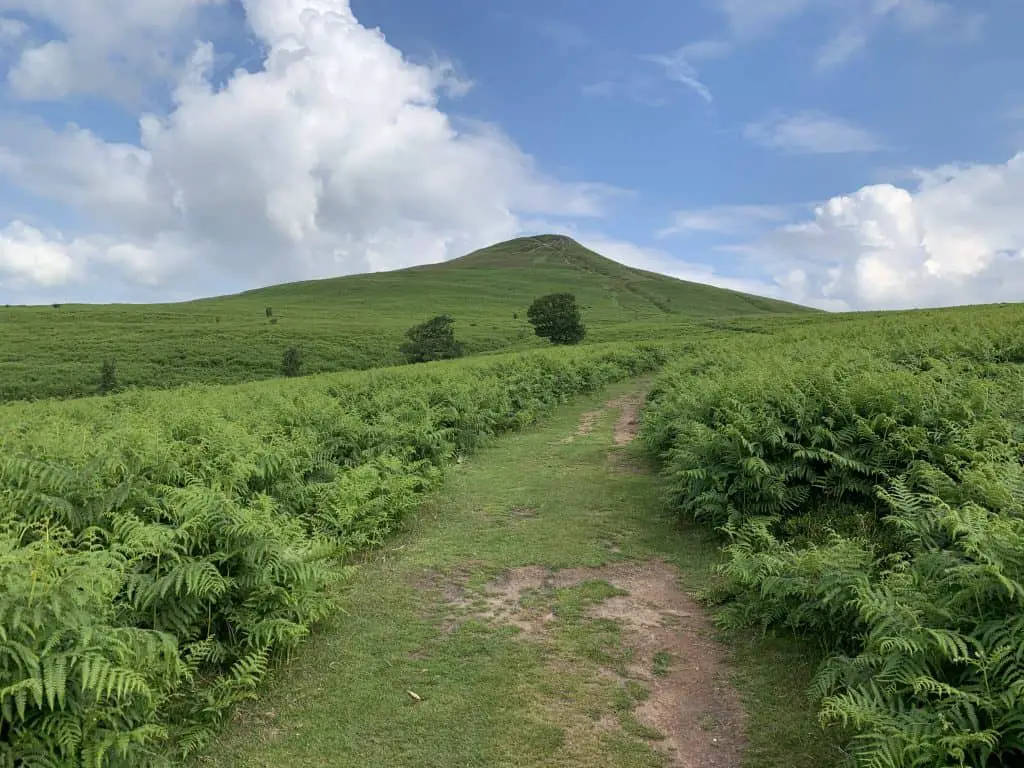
x=725, y=219
x=854, y=22
x=333, y=158
x=957, y=238
x=109, y=48
x=813, y=133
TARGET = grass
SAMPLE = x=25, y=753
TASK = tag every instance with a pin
x=488, y=696
x=354, y=322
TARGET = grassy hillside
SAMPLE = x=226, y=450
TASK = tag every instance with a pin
x=348, y=322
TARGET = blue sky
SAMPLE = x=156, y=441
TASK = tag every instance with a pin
x=842, y=153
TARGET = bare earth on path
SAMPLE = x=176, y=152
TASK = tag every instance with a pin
x=690, y=702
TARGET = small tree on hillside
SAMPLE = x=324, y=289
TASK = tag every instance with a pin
x=556, y=317
x=108, y=377
x=291, y=362
x=432, y=340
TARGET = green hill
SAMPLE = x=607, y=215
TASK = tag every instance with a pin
x=348, y=322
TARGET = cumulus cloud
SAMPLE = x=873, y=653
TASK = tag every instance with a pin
x=812, y=132
x=109, y=48
x=27, y=256
x=957, y=238
x=333, y=158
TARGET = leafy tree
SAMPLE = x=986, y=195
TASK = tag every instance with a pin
x=557, y=317
x=432, y=340
x=269, y=312
x=291, y=362
x=108, y=377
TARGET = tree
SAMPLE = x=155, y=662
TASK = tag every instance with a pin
x=269, y=312
x=432, y=340
x=291, y=362
x=108, y=377
x=556, y=317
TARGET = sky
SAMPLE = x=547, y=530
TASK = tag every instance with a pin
x=845, y=154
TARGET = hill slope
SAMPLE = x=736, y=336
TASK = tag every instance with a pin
x=347, y=322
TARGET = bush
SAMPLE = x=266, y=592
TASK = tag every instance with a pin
x=108, y=377
x=557, y=318
x=291, y=362
x=269, y=312
x=432, y=340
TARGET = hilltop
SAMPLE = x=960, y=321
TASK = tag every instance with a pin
x=351, y=322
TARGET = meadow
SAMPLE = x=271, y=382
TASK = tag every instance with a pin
x=348, y=323
x=867, y=479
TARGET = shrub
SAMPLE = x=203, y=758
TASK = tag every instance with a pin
x=108, y=377
x=432, y=340
x=557, y=318
x=291, y=362
x=269, y=312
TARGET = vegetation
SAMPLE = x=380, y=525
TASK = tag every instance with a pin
x=432, y=340
x=291, y=362
x=159, y=549
x=355, y=322
x=108, y=377
x=868, y=477
x=556, y=317
x=491, y=695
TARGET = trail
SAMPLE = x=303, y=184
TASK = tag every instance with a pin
x=533, y=614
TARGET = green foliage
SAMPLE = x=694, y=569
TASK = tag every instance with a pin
x=268, y=311
x=108, y=377
x=347, y=323
x=431, y=340
x=557, y=318
x=159, y=550
x=291, y=362
x=869, y=482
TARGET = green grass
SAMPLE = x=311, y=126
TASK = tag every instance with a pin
x=354, y=322
x=490, y=696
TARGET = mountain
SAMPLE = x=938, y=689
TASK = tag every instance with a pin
x=508, y=276
x=349, y=322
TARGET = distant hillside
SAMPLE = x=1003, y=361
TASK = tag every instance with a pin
x=349, y=322
x=510, y=274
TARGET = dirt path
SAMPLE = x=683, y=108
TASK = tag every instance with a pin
x=690, y=705
x=533, y=615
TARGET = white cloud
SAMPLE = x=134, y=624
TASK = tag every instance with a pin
x=812, y=132
x=679, y=70
x=29, y=256
x=333, y=158
x=111, y=48
x=754, y=18
x=957, y=238
x=725, y=219
x=841, y=48
x=856, y=21
x=11, y=30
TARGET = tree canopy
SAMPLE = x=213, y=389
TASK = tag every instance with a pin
x=557, y=317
